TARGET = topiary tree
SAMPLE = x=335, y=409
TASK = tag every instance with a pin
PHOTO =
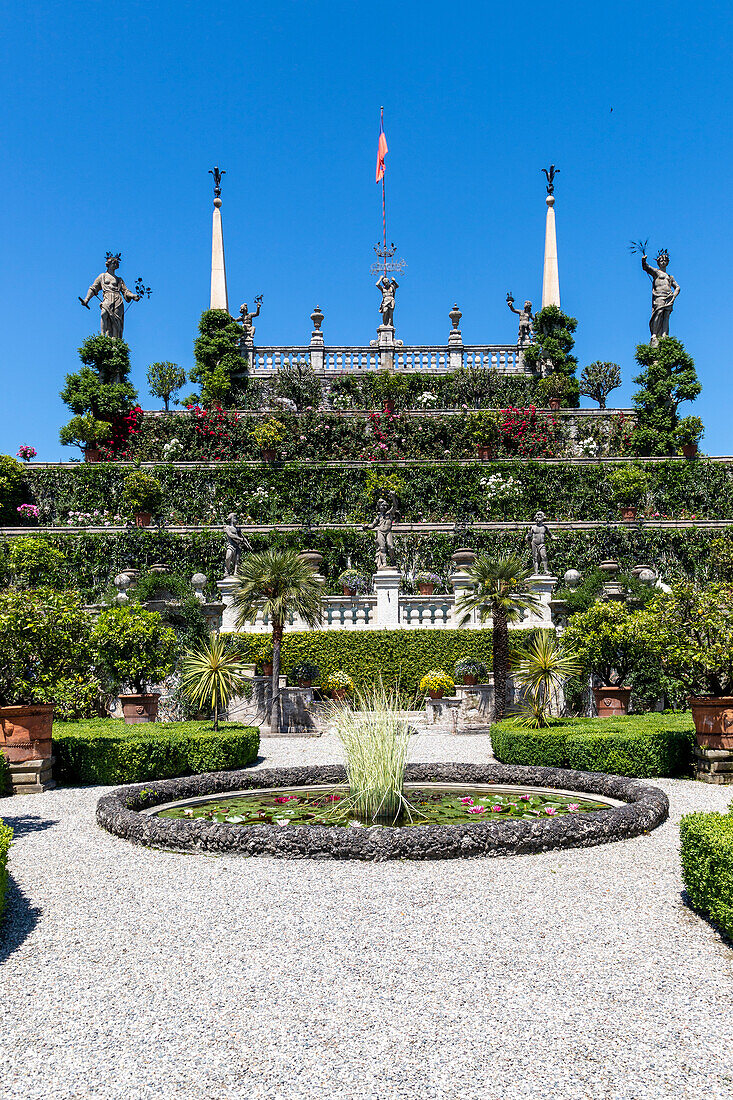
x=12, y=488
x=132, y=647
x=99, y=391
x=218, y=357
x=598, y=379
x=141, y=492
x=164, y=380
x=84, y=431
x=107, y=357
x=668, y=378
x=552, y=349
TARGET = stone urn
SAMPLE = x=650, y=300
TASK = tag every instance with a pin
x=25, y=732
x=612, y=702
x=137, y=709
x=713, y=718
x=143, y=519
x=92, y=454
x=463, y=558
x=554, y=404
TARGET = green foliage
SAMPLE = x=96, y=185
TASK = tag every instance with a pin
x=164, y=380
x=106, y=751
x=34, y=562
x=212, y=674
x=108, y=357
x=640, y=746
x=12, y=489
x=85, y=393
x=84, y=431
x=668, y=378
x=483, y=428
x=379, y=484
x=689, y=431
x=591, y=586
x=610, y=638
x=554, y=343
x=554, y=387
x=598, y=379
x=629, y=484
x=44, y=641
x=707, y=865
x=306, y=670
x=6, y=787
x=436, y=680
x=268, y=435
x=473, y=386
x=298, y=382
x=721, y=559
x=141, y=492
x=542, y=669
x=218, y=357
x=693, y=632
x=6, y=839
x=132, y=646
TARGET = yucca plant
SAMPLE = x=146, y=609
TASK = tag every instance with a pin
x=542, y=668
x=374, y=737
x=211, y=674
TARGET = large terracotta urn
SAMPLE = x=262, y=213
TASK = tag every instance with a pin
x=713, y=718
x=612, y=702
x=25, y=732
x=137, y=709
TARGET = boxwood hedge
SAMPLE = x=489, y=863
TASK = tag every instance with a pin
x=106, y=751
x=707, y=865
x=638, y=746
x=6, y=837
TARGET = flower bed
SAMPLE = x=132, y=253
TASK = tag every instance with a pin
x=707, y=865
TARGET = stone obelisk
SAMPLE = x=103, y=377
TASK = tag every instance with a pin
x=219, y=299
x=550, y=274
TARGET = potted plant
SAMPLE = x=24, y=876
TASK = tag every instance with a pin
x=483, y=431
x=133, y=649
x=268, y=436
x=695, y=642
x=436, y=684
x=263, y=657
x=340, y=684
x=353, y=582
x=142, y=496
x=553, y=389
x=629, y=485
x=305, y=672
x=470, y=671
x=427, y=582
x=687, y=435
x=87, y=433
x=44, y=637
x=607, y=641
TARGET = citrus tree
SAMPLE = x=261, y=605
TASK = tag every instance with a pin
x=132, y=646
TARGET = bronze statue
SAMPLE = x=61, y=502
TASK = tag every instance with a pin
x=235, y=543
x=537, y=535
x=382, y=525
x=664, y=291
x=524, y=336
x=114, y=295
x=550, y=172
x=388, y=289
x=246, y=318
x=217, y=179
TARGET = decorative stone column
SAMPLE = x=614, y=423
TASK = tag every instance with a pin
x=387, y=589
x=226, y=587
x=316, y=345
x=455, y=340
x=218, y=299
x=543, y=585
x=550, y=274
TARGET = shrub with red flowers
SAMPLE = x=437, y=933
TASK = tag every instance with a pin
x=120, y=445
x=216, y=432
x=529, y=434
x=385, y=442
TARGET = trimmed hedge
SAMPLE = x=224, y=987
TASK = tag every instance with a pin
x=401, y=657
x=6, y=839
x=106, y=751
x=639, y=746
x=707, y=865
x=6, y=786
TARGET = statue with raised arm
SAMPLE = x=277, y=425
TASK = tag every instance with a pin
x=246, y=318
x=664, y=291
x=382, y=525
x=236, y=542
x=537, y=536
x=114, y=295
x=388, y=289
x=524, y=336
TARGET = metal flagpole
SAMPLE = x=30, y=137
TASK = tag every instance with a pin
x=384, y=198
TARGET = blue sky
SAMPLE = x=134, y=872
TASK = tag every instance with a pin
x=114, y=114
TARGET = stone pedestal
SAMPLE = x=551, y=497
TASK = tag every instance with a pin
x=386, y=345
x=226, y=588
x=543, y=585
x=316, y=350
x=299, y=717
x=32, y=776
x=443, y=712
x=462, y=586
x=387, y=590
x=714, y=765
x=455, y=349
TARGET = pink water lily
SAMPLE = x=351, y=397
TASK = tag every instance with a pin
x=477, y=809
x=550, y=810
x=573, y=807
x=466, y=799
x=497, y=809
x=526, y=797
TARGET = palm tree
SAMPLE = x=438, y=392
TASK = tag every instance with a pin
x=211, y=674
x=277, y=584
x=500, y=593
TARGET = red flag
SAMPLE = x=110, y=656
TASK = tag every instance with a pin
x=382, y=151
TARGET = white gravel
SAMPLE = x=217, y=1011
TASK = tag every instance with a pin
x=130, y=974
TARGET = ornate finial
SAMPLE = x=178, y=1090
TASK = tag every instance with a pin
x=317, y=318
x=550, y=173
x=217, y=180
x=455, y=316
x=117, y=256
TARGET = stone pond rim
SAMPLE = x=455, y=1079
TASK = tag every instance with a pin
x=644, y=808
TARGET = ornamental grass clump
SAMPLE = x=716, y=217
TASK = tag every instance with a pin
x=374, y=738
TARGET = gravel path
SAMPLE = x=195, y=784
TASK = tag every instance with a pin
x=131, y=974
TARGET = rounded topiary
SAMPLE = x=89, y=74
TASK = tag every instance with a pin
x=141, y=492
x=339, y=681
x=133, y=647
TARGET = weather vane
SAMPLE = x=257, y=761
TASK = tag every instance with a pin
x=550, y=172
x=217, y=180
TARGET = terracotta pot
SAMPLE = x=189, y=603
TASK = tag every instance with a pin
x=92, y=454
x=469, y=680
x=140, y=708
x=305, y=683
x=426, y=589
x=628, y=511
x=267, y=668
x=338, y=695
x=689, y=450
x=713, y=718
x=390, y=405
x=143, y=519
x=436, y=694
x=25, y=732
x=485, y=453
x=554, y=403
x=612, y=702
x=268, y=455
x=350, y=591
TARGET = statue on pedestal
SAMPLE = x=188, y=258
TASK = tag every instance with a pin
x=664, y=291
x=382, y=525
x=524, y=336
x=537, y=535
x=114, y=295
x=246, y=318
x=236, y=542
x=388, y=289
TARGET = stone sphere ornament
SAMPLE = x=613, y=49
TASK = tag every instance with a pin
x=572, y=578
x=647, y=576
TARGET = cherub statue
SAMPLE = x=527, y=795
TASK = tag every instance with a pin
x=388, y=289
x=246, y=318
x=382, y=525
x=235, y=543
x=664, y=291
x=524, y=336
x=537, y=535
x=114, y=295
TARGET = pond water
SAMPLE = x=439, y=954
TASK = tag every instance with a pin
x=428, y=804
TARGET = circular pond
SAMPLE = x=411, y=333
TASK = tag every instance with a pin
x=454, y=810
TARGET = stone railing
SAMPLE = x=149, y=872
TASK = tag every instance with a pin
x=504, y=358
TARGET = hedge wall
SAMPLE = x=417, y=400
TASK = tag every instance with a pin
x=707, y=865
x=305, y=492
x=6, y=837
x=639, y=746
x=92, y=560
x=106, y=751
